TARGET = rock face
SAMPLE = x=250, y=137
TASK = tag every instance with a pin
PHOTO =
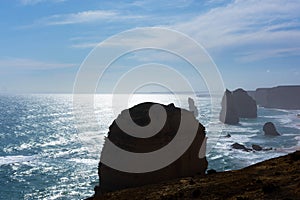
x=192, y=107
x=228, y=113
x=281, y=97
x=270, y=129
x=188, y=164
x=237, y=104
x=244, y=104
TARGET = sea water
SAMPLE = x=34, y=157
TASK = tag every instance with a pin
x=46, y=152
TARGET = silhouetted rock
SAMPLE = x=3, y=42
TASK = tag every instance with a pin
x=228, y=135
x=244, y=104
x=189, y=164
x=192, y=107
x=237, y=104
x=281, y=97
x=228, y=113
x=211, y=171
x=270, y=129
x=240, y=146
x=256, y=147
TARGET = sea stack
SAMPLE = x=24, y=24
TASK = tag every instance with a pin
x=188, y=164
x=244, y=104
x=237, y=104
x=192, y=107
x=270, y=129
x=228, y=113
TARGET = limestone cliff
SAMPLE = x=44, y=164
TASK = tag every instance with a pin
x=281, y=97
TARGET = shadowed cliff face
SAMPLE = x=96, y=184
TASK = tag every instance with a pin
x=281, y=97
x=188, y=164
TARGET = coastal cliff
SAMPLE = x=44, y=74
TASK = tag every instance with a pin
x=281, y=97
x=277, y=178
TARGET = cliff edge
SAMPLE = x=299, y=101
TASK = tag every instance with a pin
x=277, y=178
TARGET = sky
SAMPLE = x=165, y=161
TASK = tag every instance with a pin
x=43, y=43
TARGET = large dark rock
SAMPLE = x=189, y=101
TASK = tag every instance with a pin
x=240, y=146
x=244, y=104
x=281, y=97
x=270, y=129
x=256, y=147
x=228, y=113
x=189, y=164
x=237, y=104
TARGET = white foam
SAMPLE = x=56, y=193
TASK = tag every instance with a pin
x=5, y=160
x=85, y=161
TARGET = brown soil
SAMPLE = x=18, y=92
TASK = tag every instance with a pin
x=277, y=178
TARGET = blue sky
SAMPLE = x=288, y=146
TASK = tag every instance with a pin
x=43, y=42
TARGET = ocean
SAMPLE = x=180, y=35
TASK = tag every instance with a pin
x=47, y=153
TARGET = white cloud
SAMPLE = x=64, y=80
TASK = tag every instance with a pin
x=268, y=53
x=254, y=24
x=89, y=16
x=80, y=17
x=85, y=45
x=23, y=63
x=33, y=2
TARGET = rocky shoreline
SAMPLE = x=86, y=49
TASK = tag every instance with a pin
x=277, y=178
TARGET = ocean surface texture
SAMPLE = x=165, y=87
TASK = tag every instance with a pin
x=46, y=152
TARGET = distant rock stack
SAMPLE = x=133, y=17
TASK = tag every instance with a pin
x=188, y=164
x=192, y=107
x=270, y=129
x=237, y=104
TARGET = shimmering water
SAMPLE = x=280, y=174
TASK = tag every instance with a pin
x=46, y=153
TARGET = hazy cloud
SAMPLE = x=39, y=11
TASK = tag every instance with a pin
x=24, y=63
x=33, y=2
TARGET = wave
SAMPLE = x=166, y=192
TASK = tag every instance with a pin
x=6, y=160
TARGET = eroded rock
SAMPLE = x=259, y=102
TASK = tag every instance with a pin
x=235, y=105
x=270, y=129
x=188, y=164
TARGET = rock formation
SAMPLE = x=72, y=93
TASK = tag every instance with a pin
x=256, y=147
x=270, y=129
x=281, y=97
x=188, y=164
x=240, y=146
x=237, y=104
x=228, y=113
x=244, y=104
x=192, y=107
